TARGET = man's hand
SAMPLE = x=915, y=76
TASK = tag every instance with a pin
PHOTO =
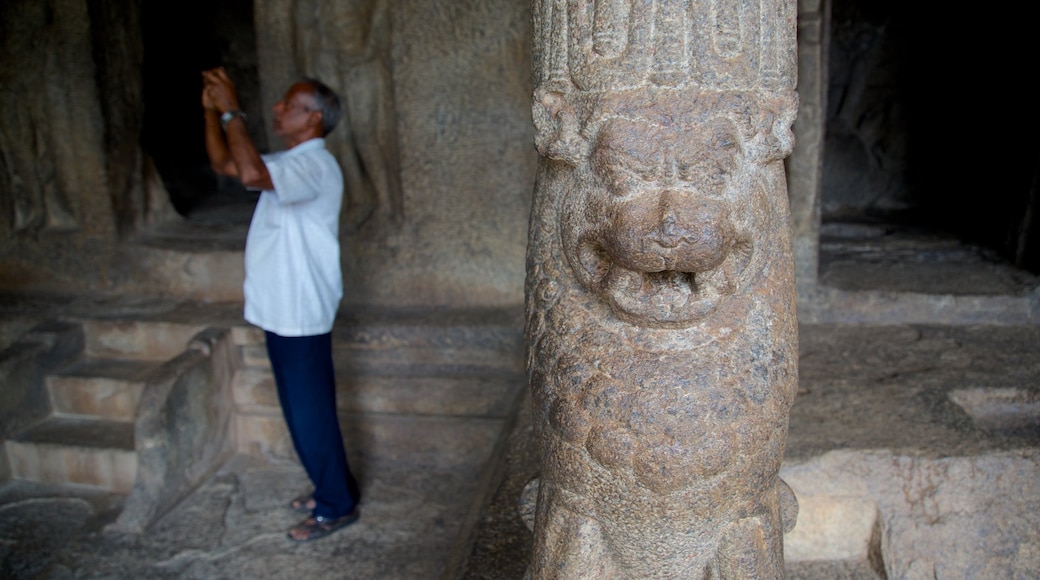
x=207, y=100
x=219, y=91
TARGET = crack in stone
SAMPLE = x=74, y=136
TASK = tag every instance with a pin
x=188, y=557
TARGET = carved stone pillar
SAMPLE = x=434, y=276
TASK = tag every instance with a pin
x=661, y=323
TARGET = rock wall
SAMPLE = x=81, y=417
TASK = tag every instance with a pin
x=71, y=169
x=439, y=179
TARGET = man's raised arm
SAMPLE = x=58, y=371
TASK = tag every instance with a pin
x=231, y=151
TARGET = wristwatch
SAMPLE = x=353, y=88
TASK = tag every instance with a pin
x=228, y=116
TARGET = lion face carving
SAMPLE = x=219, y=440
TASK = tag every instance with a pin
x=665, y=206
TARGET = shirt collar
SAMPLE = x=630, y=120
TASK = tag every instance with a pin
x=315, y=143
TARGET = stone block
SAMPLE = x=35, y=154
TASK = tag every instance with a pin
x=450, y=395
x=137, y=340
x=442, y=442
x=99, y=388
x=243, y=335
x=263, y=436
x=831, y=527
x=183, y=427
x=937, y=517
x=1001, y=410
x=23, y=396
x=253, y=388
x=80, y=453
x=110, y=469
x=254, y=355
x=212, y=276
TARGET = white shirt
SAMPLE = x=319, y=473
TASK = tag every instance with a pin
x=293, y=282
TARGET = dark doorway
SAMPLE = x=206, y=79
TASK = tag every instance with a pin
x=931, y=159
x=181, y=39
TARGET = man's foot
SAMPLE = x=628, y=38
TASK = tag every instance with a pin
x=316, y=527
x=304, y=504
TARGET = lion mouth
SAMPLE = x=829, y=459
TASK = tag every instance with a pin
x=662, y=296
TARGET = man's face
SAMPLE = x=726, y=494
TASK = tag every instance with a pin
x=296, y=115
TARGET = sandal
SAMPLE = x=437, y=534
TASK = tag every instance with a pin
x=316, y=527
x=303, y=504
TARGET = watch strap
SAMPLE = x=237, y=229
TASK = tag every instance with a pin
x=228, y=116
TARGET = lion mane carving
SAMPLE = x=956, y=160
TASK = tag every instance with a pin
x=662, y=334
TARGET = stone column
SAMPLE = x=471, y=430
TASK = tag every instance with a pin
x=805, y=165
x=661, y=324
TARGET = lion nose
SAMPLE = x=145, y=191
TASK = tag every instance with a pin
x=691, y=234
x=672, y=229
x=668, y=226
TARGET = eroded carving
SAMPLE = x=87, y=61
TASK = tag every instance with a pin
x=348, y=43
x=661, y=332
x=30, y=167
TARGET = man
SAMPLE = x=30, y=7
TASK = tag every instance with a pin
x=293, y=283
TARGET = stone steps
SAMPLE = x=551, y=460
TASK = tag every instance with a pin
x=459, y=364
x=464, y=394
x=136, y=339
x=88, y=438
x=106, y=389
x=80, y=451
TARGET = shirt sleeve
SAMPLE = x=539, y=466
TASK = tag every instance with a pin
x=296, y=178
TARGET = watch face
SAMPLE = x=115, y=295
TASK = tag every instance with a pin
x=227, y=116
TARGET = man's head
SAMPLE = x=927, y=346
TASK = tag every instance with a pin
x=309, y=109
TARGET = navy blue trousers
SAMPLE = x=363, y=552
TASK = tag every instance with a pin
x=302, y=367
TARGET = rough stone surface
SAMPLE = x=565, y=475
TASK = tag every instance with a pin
x=183, y=428
x=348, y=46
x=878, y=414
x=661, y=331
x=440, y=91
x=437, y=149
x=234, y=524
x=23, y=398
x=71, y=170
x=805, y=165
x=893, y=478
x=423, y=466
x=951, y=517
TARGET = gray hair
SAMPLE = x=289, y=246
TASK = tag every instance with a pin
x=328, y=103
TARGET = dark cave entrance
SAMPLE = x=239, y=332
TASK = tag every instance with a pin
x=931, y=157
x=180, y=40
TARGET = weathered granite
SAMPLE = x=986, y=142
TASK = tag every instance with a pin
x=72, y=173
x=805, y=165
x=661, y=335
x=894, y=478
x=437, y=153
x=346, y=45
x=183, y=429
x=23, y=398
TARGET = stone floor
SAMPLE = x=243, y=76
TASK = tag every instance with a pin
x=423, y=465
x=234, y=525
x=902, y=258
